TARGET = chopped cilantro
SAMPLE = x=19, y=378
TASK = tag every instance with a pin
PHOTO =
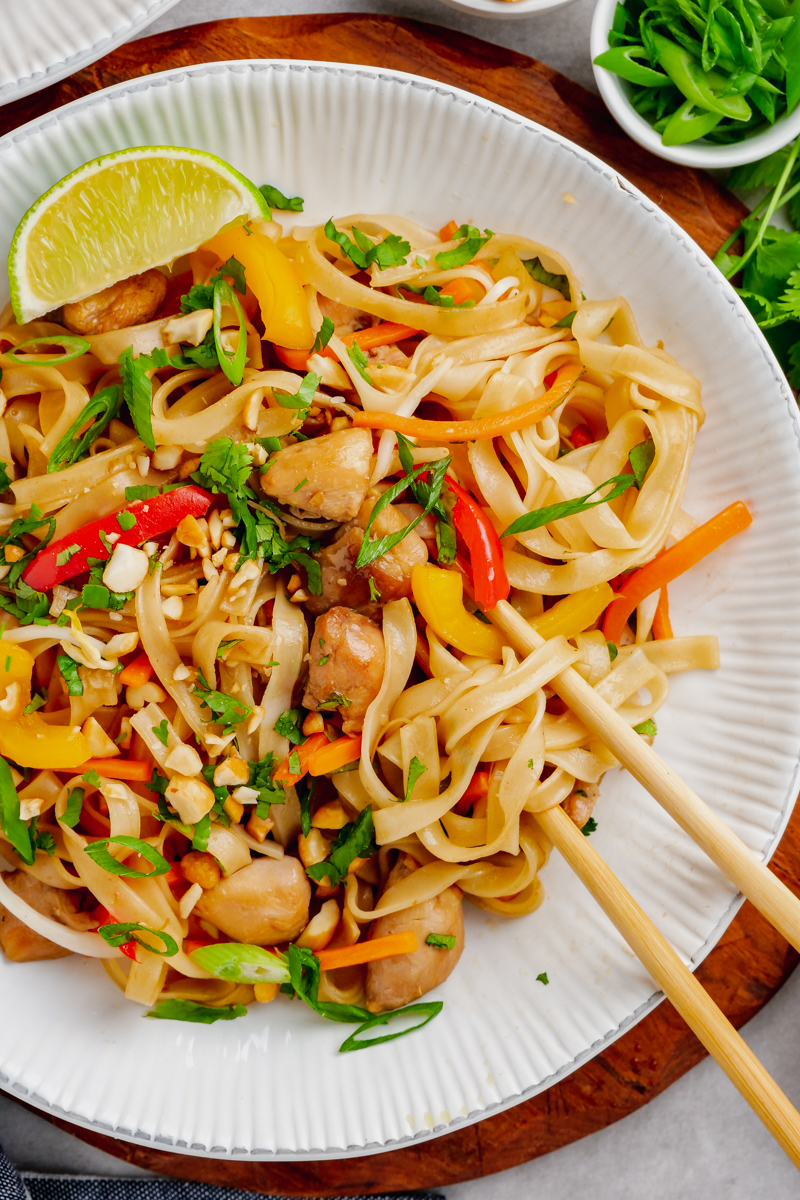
x=646, y=728
x=69, y=670
x=391, y=252
x=161, y=731
x=441, y=941
x=276, y=199
x=542, y=978
x=353, y=841
x=288, y=725
x=226, y=711
x=589, y=827
x=323, y=336
x=415, y=770
x=126, y=520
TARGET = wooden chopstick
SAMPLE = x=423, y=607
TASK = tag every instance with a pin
x=771, y=897
x=677, y=983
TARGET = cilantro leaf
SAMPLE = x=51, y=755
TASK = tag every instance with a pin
x=200, y=1014
x=72, y=813
x=226, y=711
x=373, y=548
x=161, y=731
x=559, y=283
x=432, y=295
x=304, y=972
x=276, y=199
x=142, y=491
x=323, y=336
x=225, y=466
x=137, y=390
x=5, y=478
x=779, y=253
x=304, y=396
x=461, y=255
x=542, y=978
x=288, y=725
x=125, y=519
x=415, y=770
x=14, y=828
x=69, y=670
x=569, y=508
x=391, y=252
x=641, y=459
x=589, y=827
x=353, y=841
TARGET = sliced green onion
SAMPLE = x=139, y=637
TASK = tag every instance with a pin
x=428, y=1009
x=231, y=364
x=120, y=933
x=98, y=851
x=241, y=964
x=79, y=346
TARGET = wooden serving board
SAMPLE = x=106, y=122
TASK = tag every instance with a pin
x=752, y=960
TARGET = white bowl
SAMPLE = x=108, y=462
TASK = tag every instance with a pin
x=272, y=1085
x=506, y=10
x=615, y=92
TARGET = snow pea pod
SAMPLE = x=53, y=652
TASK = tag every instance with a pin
x=621, y=60
x=687, y=124
x=698, y=86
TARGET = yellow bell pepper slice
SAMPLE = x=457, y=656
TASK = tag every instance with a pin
x=275, y=283
x=439, y=596
x=574, y=613
x=27, y=738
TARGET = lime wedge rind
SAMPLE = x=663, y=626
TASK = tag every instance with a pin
x=121, y=214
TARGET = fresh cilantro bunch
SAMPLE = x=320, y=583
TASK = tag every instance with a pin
x=769, y=267
x=716, y=71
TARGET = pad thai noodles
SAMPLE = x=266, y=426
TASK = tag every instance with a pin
x=258, y=734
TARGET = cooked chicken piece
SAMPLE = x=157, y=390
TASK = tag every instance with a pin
x=345, y=319
x=346, y=666
x=392, y=571
x=342, y=583
x=21, y=944
x=261, y=905
x=327, y=476
x=393, y=982
x=579, y=807
x=132, y=301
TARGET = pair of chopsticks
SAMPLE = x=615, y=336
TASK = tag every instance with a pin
x=753, y=878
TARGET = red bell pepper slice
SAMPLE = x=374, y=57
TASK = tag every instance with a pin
x=155, y=516
x=486, y=554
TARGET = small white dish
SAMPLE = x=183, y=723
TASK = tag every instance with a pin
x=506, y=10
x=707, y=155
x=50, y=39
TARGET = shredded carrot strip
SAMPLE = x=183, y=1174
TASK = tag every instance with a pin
x=296, y=359
x=135, y=769
x=494, y=425
x=377, y=335
x=662, y=626
x=284, y=774
x=364, y=952
x=669, y=564
x=334, y=755
x=464, y=289
x=137, y=672
x=448, y=231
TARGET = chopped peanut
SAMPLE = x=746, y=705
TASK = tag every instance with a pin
x=256, y=717
x=191, y=533
x=189, y=467
x=314, y=723
x=166, y=457
x=200, y=867
x=192, y=797
x=232, y=772
x=100, y=744
x=125, y=734
x=148, y=693
x=13, y=554
x=189, y=899
x=258, y=827
x=293, y=584
x=234, y=809
x=172, y=607
x=265, y=992
x=321, y=928
x=330, y=816
x=184, y=760
x=312, y=849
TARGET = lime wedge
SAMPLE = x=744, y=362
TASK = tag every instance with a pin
x=118, y=215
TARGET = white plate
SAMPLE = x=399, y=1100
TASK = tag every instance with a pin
x=272, y=1084
x=45, y=40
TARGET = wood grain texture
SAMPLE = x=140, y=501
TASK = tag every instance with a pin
x=751, y=960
